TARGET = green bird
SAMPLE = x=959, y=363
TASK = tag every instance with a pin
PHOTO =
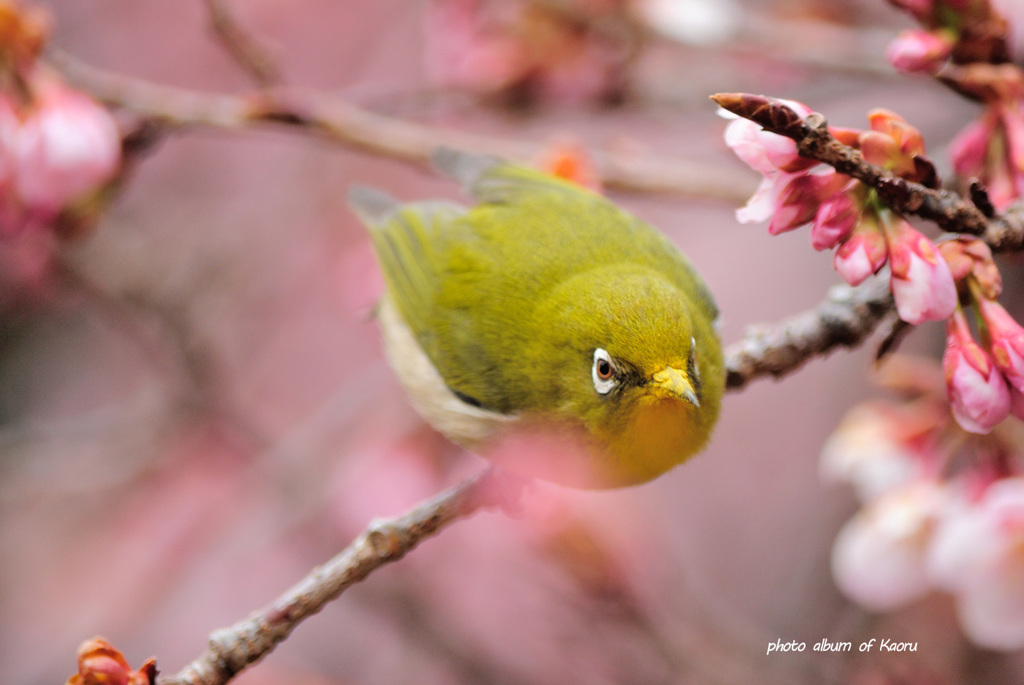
x=545, y=328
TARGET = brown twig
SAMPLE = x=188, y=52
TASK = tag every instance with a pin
x=232, y=649
x=846, y=318
x=1003, y=232
x=250, y=54
x=341, y=122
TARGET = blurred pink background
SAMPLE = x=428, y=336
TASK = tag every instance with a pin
x=198, y=411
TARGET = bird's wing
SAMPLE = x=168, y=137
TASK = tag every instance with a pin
x=409, y=241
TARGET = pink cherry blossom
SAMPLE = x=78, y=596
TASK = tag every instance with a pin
x=1006, y=341
x=762, y=150
x=978, y=555
x=969, y=148
x=761, y=205
x=835, y=220
x=977, y=391
x=921, y=280
x=919, y=51
x=799, y=197
x=67, y=146
x=862, y=254
x=991, y=149
x=879, y=556
x=868, y=451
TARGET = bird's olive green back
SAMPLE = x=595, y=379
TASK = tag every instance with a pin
x=467, y=282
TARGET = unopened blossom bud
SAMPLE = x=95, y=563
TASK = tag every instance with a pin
x=571, y=161
x=891, y=143
x=915, y=51
x=879, y=149
x=100, y=663
x=921, y=281
x=968, y=256
x=977, y=390
x=23, y=32
x=1006, y=341
x=67, y=146
x=908, y=139
x=835, y=220
x=862, y=254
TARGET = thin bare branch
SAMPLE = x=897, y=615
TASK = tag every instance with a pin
x=845, y=319
x=1004, y=232
x=232, y=649
x=247, y=50
x=357, y=128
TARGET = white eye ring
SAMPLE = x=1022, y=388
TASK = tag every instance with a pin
x=694, y=371
x=603, y=382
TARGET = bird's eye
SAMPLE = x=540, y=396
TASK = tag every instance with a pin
x=603, y=372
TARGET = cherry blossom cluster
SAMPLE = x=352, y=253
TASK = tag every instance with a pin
x=942, y=491
x=847, y=215
x=943, y=510
x=967, y=43
x=986, y=380
x=961, y=31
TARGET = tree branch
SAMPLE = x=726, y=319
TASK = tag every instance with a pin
x=232, y=649
x=1004, y=232
x=340, y=122
x=250, y=54
x=846, y=318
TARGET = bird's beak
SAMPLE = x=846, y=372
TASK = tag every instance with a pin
x=676, y=383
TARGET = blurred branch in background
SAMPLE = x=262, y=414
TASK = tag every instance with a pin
x=250, y=53
x=167, y=108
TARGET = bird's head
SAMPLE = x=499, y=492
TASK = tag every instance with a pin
x=633, y=361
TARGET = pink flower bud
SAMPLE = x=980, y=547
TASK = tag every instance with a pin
x=68, y=146
x=1006, y=341
x=908, y=139
x=921, y=281
x=916, y=51
x=862, y=254
x=977, y=391
x=835, y=220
